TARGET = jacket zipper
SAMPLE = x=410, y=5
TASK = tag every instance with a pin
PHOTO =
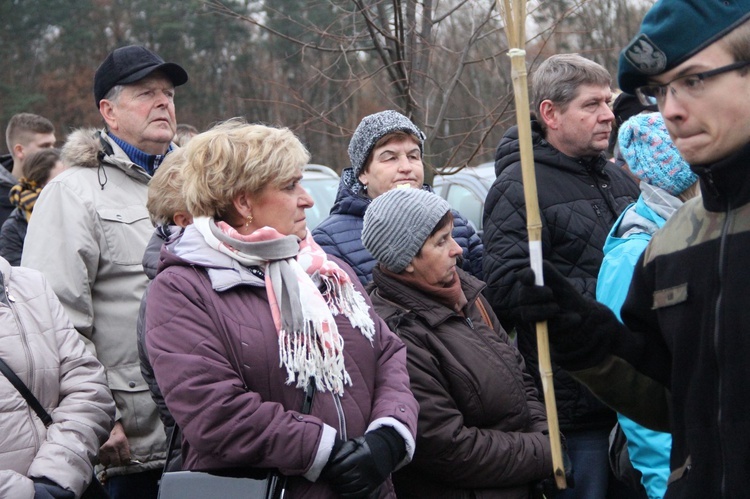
x=10, y=301
x=717, y=334
x=470, y=323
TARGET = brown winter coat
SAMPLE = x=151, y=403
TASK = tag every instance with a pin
x=480, y=420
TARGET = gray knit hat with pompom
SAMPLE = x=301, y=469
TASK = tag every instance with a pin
x=398, y=223
x=374, y=127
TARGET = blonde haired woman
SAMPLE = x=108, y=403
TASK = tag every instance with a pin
x=248, y=312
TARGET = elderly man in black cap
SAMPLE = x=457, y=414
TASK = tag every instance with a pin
x=679, y=363
x=95, y=215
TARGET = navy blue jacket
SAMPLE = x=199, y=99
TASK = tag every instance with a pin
x=341, y=233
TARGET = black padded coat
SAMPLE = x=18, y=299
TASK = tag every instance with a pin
x=579, y=201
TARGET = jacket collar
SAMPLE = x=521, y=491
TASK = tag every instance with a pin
x=90, y=148
x=724, y=184
x=190, y=249
x=509, y=152
x=414, y=300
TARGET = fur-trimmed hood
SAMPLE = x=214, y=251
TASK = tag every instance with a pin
x=92, y=148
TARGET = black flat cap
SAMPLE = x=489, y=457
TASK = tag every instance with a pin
x=130, y=64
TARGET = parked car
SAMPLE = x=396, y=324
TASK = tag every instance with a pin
x=466, y=191
x=322, y=183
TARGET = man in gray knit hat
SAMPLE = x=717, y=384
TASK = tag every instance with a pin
x=385, y=152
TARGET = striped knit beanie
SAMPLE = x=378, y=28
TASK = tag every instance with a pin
x=651, y=156
x=398, y=223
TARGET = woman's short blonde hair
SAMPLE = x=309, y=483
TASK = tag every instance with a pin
x=165, y=189
x=235, y=157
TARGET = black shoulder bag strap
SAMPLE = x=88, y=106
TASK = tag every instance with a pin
x=26, y=393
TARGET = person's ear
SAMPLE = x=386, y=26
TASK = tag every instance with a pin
x=363, y=178
x=409, y=269
x=243, y=204
x=108, y=111
x=182, y=218
x=549, y=114
x=18, y=151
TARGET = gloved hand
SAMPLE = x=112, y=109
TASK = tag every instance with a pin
x=547, y=487
x=359, y=466
x=581, y=330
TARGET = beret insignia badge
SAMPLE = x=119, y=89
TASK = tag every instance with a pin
x=645, y=56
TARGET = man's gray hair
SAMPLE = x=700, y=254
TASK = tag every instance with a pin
x=114, y=93
x=559, y=78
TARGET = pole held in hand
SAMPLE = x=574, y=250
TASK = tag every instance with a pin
x=514, y=16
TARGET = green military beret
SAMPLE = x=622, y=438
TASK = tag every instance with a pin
x=672, y=32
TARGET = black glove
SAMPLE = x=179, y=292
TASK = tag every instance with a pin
x=547, y=488
x=359, y=466
x=581, y=330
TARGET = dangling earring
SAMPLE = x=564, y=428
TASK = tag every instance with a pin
x=249, y=220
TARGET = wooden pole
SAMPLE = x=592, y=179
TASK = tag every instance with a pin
x=514, y=15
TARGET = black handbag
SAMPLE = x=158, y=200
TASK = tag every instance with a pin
x=230, y=483
x=95, y=490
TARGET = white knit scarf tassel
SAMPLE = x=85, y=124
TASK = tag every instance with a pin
x=303, y=360
x=344, y=299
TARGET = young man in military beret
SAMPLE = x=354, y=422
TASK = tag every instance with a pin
x=679, y=363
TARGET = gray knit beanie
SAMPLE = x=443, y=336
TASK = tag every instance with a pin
x=373, y=128
x=398, y=223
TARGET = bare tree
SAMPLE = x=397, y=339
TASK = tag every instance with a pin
x=440, y=63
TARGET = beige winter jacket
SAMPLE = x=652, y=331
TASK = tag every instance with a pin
x=88, y=234
x=39, y=344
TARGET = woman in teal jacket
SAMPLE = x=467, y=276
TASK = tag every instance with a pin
x=666, y=182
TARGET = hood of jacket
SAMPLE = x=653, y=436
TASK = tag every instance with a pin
x=91, y=148
x=349, y=198
x=508, y=152
x=191, y=250
x=6, y=166
x=162, y=234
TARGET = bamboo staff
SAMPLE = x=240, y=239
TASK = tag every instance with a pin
x=514, y=16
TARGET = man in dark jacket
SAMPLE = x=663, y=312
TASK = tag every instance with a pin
x=581, y=195
x=679, y=363
x=385, y=152
x=25, y=134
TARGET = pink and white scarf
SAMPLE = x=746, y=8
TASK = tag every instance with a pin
x=309, y=342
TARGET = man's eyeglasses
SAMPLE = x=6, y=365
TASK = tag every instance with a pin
x=692, y=85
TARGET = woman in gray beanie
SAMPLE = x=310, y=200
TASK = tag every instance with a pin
x=385, y=152
x=481, y=425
